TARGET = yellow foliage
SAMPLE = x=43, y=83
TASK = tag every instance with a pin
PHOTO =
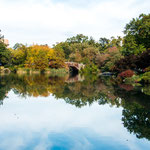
x=38, y=56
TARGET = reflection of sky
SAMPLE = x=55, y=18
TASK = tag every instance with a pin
x=46, y=123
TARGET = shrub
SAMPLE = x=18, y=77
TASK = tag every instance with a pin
x=13, y=69
x=128, y=62
x=143, y=60
x=126, y=74
x=126, y=87
x=107, y=60
x=147, y=69
x=133, y=79
x=146, y=89
x=137, y=62
x=90, y=69
x=1, y=67
x=146, y=77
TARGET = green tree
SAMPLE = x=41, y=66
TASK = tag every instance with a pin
x=137, y=35
x=17, y=45
x=63, y=46
x=19, y=55
x=104, y=44
x=91, y=53
x=116, y=42
x=57, y=59
x=4, y=52
x=79, y=38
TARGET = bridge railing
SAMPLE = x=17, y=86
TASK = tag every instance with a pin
x=75, y=64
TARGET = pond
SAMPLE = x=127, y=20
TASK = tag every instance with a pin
x=42, y=112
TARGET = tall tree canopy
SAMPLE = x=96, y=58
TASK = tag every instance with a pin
x=4, y=52
x=137, y=35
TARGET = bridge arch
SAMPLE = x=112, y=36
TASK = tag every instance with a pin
x=74, y=67
x=73, y=70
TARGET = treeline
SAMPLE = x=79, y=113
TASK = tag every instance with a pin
x=35, y=57
x=130, y=53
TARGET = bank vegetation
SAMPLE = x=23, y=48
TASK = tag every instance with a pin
x=128, y=57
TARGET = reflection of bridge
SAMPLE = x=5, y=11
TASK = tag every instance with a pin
x=5, y=70
x=77, y=78
x=75, y=66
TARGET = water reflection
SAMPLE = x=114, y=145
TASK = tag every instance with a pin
x=83, y=91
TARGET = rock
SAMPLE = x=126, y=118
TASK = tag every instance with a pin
x=106, y=74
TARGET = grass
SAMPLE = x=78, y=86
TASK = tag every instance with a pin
x=49, y=71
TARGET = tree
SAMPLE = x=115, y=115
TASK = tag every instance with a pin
x=91, y=41
x=79, y=38
x=1, y=37
x=107, y=60
x=91, y=53
x=63, y=46
x=76, y=56
x=137, y=35
x=116, y=42
x=134, y=62
x=38, y=57
x=104, y=42
x=19, y=54
x=4, y=52
x=18, y=45
x=57, y=59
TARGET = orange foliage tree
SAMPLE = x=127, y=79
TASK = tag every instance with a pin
x=38, y=56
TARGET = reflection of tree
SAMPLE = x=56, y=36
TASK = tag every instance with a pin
x=38, y=85
x=146, y=89
x=35, y=85
x=4, y=88
x=137, y=120
x=136, y=112
x=136, y=105
x=133, y=96
x=83, y=93
x=75, y=93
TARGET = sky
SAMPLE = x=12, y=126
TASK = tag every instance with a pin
x=51, y=21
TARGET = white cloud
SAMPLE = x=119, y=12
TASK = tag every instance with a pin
x=52, y=21
x=35, y=121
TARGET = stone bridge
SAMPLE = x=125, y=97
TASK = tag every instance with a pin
x=76, y=67
x=4, y=71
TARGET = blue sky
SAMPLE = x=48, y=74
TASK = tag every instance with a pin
x=51, y=21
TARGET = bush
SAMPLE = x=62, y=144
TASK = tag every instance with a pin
x=128, y=62
x=13, y=69
x=126, y=87
x=21, y=66
x=143, y=60
x=146, y=89
x=146, y=77
x=90, y=69
x=147, y=69
x=1, y=67
x=126, y=74
x=133, y=79
x=137, y=62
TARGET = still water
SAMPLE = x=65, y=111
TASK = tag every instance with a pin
x=40, y=112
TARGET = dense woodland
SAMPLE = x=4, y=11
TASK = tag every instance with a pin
x=127, y=57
